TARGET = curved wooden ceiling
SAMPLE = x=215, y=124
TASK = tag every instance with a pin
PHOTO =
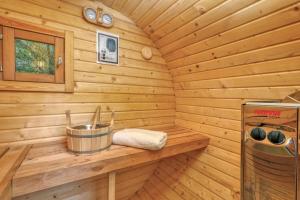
x=168, y=21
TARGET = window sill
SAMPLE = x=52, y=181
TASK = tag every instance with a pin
x=33, y=87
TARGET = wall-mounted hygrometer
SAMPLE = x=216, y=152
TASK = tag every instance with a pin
x=98, y=16
x=105, y=19
x=90, y=14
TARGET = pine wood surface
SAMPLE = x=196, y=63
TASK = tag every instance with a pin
x=10, y=160
x=50, y=165
x=220, y=54
x=139, y=91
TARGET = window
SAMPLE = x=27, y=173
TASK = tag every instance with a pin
x=36, y=55
x=32, y=56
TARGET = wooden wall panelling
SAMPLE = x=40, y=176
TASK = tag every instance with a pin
x=217, y=13
x=90, y=82
x=188, y=15
x=175, y=9
x=241, y=46
x=220, y=58
x=160, y=7
x=245, y=14
x=6, y=195
x=136, y=90
x=279, y=18
x=143, y=7
x=248, y=51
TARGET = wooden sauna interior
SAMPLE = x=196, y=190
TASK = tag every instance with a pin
x=209, y=56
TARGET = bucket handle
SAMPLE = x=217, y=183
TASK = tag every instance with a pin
x=68, y=117
x=96, y=117
x=112, y=121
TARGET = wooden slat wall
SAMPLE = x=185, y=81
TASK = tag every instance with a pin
x=220, y=53
x=140, y=91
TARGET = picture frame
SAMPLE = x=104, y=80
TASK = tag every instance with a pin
x=107, y=45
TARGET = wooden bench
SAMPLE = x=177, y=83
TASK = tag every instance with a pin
x=10, y=160
x=49, y=165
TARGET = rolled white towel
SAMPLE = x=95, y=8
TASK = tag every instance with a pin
x=140, y=138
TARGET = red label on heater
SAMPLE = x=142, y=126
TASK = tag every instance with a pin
x=273, y=113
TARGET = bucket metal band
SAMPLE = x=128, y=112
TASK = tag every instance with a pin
x=88, y=136
x=87, y=152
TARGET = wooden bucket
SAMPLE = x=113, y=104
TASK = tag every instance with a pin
x=89, y=138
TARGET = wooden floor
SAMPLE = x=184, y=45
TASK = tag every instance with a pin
x=49, y=165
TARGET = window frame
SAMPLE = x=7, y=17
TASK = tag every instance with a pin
x=61, y=81
x=1, y=52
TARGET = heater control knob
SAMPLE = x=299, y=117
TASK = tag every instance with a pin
x=258, y=134
x=276, y=137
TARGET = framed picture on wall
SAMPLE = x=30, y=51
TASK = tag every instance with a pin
x=107, y=48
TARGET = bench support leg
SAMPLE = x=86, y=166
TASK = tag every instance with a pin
x=112, y=186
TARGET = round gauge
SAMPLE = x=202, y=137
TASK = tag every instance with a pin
x=107, y=19
x=91, y=14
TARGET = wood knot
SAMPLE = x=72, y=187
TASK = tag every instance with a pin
x=98, y=168
x=202, y=10
x=113, y=79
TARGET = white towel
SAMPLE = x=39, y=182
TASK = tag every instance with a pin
x=140, y=138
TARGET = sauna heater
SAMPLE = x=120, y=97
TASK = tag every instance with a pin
x=269, y=153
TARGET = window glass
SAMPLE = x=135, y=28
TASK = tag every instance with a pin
x=34, y=57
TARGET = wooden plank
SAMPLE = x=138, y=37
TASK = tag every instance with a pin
x=263, y=40
x=30, y=77
x=60, y=55
x=143, y=7
x=279, y=18
x=8, y=54
x=178, y=7
x=196, y=10
x=236, y=19
x=9, y=22
x=7, y=193
x=112, y=186
x=29, y=35
x=3, y=150
x=1, y=53
x=156, y=10
x=69, y=61
x=9, y=163
x=85, y=66
x=27, y=86
x=102, y=78
x=77, y=118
